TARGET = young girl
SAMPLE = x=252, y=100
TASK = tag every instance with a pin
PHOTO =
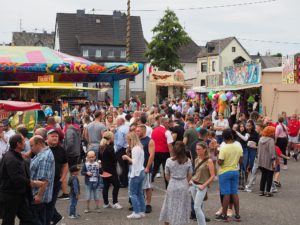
x=74, y=191
x=93, y=182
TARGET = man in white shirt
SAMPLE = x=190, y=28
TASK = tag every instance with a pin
x=3, y=144
x=8, y=132
x=149, y=130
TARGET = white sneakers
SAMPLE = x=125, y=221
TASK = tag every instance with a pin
x=136, y=215
x=114, y=206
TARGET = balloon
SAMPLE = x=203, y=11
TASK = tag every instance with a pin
x=193, y=95
x=216, y=96
x=229, y=95
x=210, y=95
x=223, y=97
x=234, y=99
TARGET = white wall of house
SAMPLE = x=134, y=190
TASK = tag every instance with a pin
x=56, y=40
x=190, y=70
x=227, y=55
x=213, y=67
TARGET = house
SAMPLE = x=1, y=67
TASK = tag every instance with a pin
x=102, y=38
x=33, y=39
x=268, y=61
x=188, y=58
x=215, y=56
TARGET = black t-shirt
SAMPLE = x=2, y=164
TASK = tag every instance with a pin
x=60, y=158
x=179, y=130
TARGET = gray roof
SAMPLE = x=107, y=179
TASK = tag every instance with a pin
x=268, y=61
x=33, y=39
x=188, y=53
x=214, y=47
x=77, y=29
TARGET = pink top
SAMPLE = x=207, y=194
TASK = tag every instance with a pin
x=280, y=132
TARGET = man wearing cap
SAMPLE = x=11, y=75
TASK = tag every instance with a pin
x=42, y=168
x=61, y=170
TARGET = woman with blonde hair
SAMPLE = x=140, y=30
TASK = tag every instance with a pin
x=109, y=166
x=136, y=175
x=204, y=174
x=110, y=122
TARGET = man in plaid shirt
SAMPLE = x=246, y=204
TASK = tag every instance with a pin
x=42, y=168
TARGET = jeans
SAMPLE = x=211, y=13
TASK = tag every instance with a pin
x=51, y=212
x=107, y=181
x=160, y=158
x=73, y=204
x=198, y=196
x=253, y=174
x=137, y=193
x=251, y=155
x=245, y=158
x=266, y=179
x=39, y=213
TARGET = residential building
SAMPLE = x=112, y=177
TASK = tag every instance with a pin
x=102, y=38
x=215, y=56
x=268, y=61
x=33, y=39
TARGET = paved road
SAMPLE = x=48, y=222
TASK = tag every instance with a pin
x=280, y=210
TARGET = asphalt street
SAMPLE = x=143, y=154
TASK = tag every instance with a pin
x=282, y=209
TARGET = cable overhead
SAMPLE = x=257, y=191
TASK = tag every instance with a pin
x=197, y=8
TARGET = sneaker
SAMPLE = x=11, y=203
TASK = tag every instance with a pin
x=148, y=209
x=219, y=212
x=98, y=210
x=117, y=206
x=275, y=190
x=237, y=218
x=56, y=221
x=64, y=196
x=229, y=213
x=222, y=218
x=73, y=217
x=207, y=220
x=86, y=211
x=134, y=216
x=285, y=167
x=142, y=214
x=158, y=175
x=248, y=190
x=107, y=206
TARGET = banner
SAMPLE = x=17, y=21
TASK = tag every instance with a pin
x=298, y=68
x=288, y=76
x=242, y=74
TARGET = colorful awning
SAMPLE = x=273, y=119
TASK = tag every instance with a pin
x=25, y=64
x=19, y=106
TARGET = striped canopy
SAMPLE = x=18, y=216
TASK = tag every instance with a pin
x=26, y=64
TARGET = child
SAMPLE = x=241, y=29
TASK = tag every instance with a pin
x=74, y=191
x=277, y=166
x=93, y=182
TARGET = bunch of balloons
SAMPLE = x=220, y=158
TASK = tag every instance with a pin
x=191, y=94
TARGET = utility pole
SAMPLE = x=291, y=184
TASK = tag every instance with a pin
x=128, y=46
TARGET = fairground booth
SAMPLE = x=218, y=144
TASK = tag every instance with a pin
x=43, y=74
x=239, y=89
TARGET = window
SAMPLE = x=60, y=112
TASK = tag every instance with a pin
x=213, y=66
x=233, y=49
x=111, y=54
x=204, y=67
x=98, y=53
x=202, y=82
x=85, y=53
x=123, y=54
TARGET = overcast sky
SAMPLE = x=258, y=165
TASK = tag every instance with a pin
x=276, y=21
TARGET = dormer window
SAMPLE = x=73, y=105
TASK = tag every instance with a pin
x=98, y=53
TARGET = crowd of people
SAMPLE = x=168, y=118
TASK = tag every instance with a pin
x=125, y=147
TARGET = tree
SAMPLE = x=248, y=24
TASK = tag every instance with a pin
x=168, y=37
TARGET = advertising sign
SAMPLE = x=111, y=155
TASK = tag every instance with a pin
x=298, y=69
x=247, y=73
x=288, y=76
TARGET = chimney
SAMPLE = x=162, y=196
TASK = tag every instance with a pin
x=80, y=12
x=117, y=14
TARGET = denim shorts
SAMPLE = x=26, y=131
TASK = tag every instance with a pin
x=277, y=168
x=229, y=182
x=92, y=194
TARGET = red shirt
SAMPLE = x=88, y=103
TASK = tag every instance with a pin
x=294, y=126
x=160, y=140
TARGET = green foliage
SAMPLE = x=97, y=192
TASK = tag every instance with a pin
x=168, y=37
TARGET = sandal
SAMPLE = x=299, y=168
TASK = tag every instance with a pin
x=261, y=193
x=269, y=194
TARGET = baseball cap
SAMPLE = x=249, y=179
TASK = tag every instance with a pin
x=52, y=131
